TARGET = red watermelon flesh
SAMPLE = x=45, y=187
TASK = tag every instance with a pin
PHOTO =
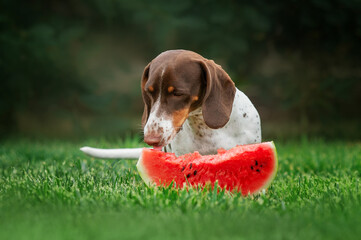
x=245, y=168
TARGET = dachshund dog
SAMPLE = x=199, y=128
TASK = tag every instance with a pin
x=190, y=104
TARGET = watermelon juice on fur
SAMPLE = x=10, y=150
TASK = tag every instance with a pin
x=245, y=168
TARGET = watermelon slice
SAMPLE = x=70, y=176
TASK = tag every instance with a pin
x=245, y=168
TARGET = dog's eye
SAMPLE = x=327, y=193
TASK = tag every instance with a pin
x=177, y=94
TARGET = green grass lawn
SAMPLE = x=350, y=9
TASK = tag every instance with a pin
x=50, y=190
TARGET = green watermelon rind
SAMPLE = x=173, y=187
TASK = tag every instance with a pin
x=144, y=175
x=142, y=171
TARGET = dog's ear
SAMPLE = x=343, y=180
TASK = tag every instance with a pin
x=219, y=95
x=146, y=99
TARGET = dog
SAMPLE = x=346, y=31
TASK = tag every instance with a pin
x=190, y=104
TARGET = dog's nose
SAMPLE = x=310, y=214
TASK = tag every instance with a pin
x=152, y=140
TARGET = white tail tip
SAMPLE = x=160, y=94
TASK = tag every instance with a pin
x=130, y=153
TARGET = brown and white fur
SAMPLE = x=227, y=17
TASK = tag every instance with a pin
x=190, y=104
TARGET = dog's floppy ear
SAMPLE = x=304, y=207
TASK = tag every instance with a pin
x=219, y=95
x=146, y=99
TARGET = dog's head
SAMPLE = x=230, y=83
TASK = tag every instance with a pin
x=176, y=83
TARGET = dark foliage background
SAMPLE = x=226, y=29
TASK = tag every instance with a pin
x=72, y=68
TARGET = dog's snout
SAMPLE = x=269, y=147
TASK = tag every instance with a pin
x=152, y=139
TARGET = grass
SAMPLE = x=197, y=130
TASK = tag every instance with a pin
x=50, y=190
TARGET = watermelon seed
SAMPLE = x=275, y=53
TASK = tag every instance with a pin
x=190, y=166
x=183, y=169
x=188, y=175
x=261, y=165
x=258, y=170
x=256, y=163
x=252, y=167
x=195, y=172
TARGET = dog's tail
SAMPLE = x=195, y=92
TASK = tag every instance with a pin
x=129, y=153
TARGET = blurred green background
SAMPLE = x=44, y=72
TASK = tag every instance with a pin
x=72, y=68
